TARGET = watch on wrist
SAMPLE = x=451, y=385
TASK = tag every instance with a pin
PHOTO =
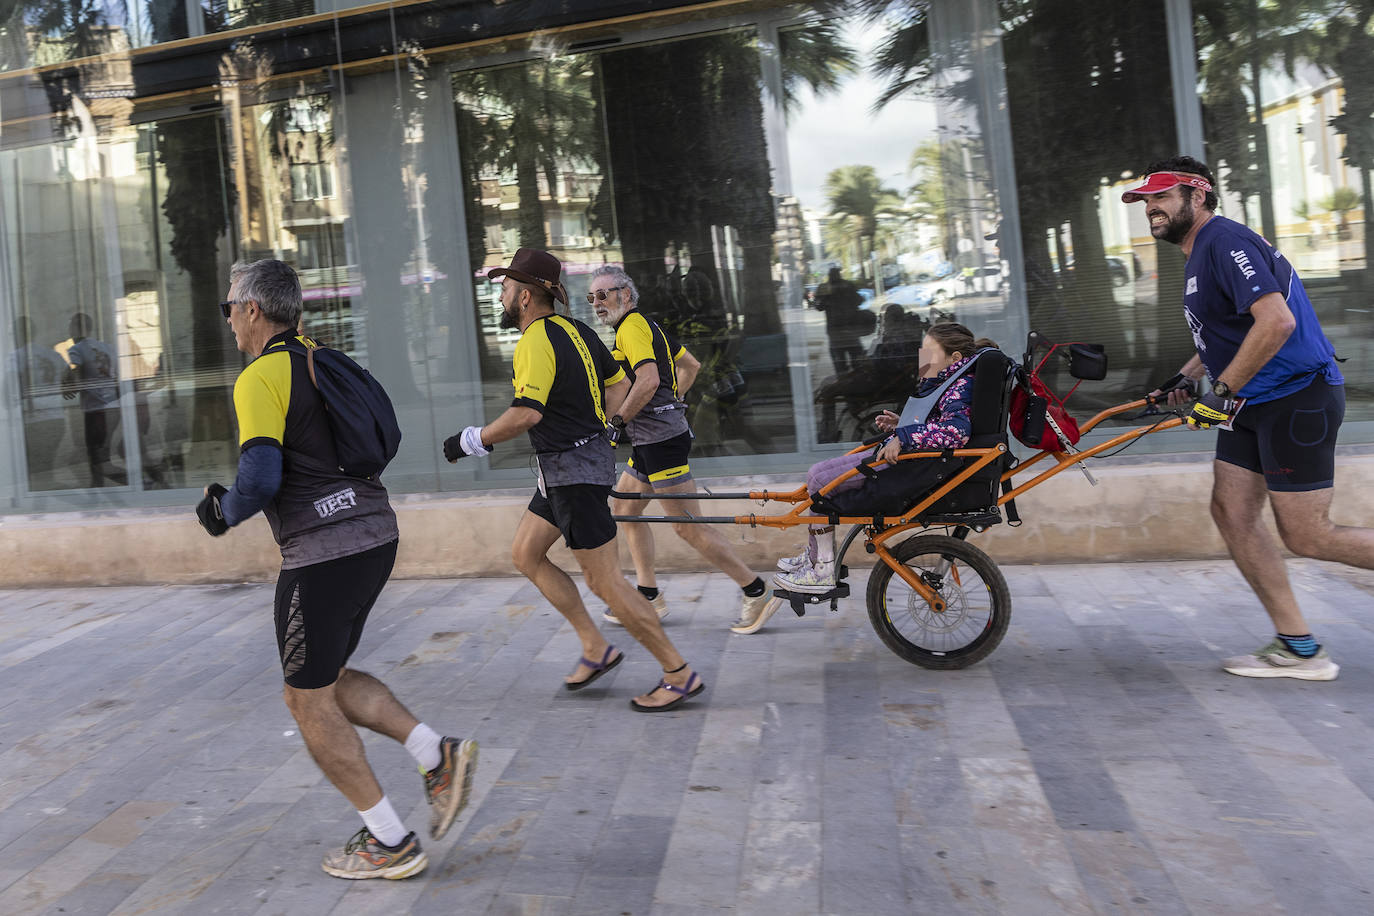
x=1221, y=389
x=618, y=422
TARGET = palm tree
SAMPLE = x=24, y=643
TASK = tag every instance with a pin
x=857, y=194
x=814, y=55
x=1236, y=42
x=1350, y=53
x=531, y=120
x=938, y=167
x=1340, y=202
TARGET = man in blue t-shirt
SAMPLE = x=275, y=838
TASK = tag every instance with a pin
x=1276, y=396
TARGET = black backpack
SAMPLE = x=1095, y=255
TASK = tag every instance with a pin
x=360, y=415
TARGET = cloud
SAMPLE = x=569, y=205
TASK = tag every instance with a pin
x=840, y=128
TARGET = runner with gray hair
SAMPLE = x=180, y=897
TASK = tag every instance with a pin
x=338, y=539
x=654, y=419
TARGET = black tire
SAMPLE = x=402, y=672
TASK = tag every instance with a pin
x=977, y=612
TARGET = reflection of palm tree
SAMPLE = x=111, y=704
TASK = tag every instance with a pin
x=690, y=165
x=530, y=120
x=71, y=28
x=1353, y=57
x=1340, y=202
x=1235, y=42
x=816, y=56
x=1113, y=73
x=857, y=196
x=936, y=166
x=197, y=205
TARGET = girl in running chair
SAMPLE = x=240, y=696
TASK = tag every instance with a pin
x=945, y=349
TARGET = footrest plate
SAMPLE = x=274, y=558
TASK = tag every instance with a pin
x=799, y=600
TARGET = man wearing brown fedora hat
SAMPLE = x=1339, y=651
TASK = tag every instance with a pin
x=566, y=385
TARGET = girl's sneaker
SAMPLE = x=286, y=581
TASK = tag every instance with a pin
x=813, y=579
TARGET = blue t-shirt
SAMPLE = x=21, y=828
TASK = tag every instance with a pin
x=1230, y=268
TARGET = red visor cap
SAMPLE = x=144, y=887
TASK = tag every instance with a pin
x=1163, y=181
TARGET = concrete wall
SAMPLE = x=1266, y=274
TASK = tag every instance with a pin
x=1137, y=512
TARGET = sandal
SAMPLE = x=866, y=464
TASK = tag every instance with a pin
x=606, y=664
x=693, y=687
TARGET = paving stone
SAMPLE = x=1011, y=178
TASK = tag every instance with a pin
x=861, y=858
x=1098, y=761
x=949, y=871
x=780, y=867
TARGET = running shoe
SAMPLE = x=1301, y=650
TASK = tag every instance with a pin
x=1277, y=660
x=754, y=613
x=365, y=857
x=816, y=579
x=448, y=785
x=659, y=605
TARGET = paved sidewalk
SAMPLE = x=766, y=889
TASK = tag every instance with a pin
x=1098, y=762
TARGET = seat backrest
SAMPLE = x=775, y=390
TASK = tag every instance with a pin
x=993, y=381
x=990, y=410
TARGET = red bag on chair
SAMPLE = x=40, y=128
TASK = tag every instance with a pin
x=1038, y=418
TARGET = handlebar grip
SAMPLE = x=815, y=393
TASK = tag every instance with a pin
x=1179, y=381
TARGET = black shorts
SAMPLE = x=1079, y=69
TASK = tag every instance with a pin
x=580, y=511
x=1291, y=440
x=662, y=464
x=321, y=610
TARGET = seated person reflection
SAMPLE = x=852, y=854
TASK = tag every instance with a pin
x=946, y=348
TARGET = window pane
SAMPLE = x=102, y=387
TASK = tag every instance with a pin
x=1081, y=123
x=894, y=204
x=116, y=266
x=38, y=32
x=650, y=157
x=1289, y=121
x=288, y=147
x=220, y=15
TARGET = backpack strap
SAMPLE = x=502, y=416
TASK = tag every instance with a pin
x=925, y=405
x=294, y=346
x=310, y=366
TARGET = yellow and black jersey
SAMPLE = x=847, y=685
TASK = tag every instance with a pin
x=319, y=513
x=561, y=370
x=639, y=340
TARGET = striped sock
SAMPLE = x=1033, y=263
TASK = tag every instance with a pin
x=1302, y=646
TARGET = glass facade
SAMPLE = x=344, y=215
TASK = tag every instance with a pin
x=797, y=190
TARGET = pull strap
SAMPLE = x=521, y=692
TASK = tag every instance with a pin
x=310, y=365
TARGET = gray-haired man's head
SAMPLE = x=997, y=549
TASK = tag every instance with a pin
x=273, y=285
x=611, y=293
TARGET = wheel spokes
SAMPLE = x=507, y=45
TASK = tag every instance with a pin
x=967, y=614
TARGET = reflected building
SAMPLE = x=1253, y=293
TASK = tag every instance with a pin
x=728, y=155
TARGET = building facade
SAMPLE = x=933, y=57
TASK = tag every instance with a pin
x=744, y=161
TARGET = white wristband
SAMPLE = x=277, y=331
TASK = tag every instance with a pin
x=472, y=441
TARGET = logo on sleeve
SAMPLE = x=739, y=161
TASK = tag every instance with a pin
x=1192, y=286
x=1242, y=260
x=335, y=503
x=1195, y=326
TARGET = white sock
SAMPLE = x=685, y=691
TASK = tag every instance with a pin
x=423, y=745
x=384, y=823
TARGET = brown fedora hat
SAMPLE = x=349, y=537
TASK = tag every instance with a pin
x=530, y=265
